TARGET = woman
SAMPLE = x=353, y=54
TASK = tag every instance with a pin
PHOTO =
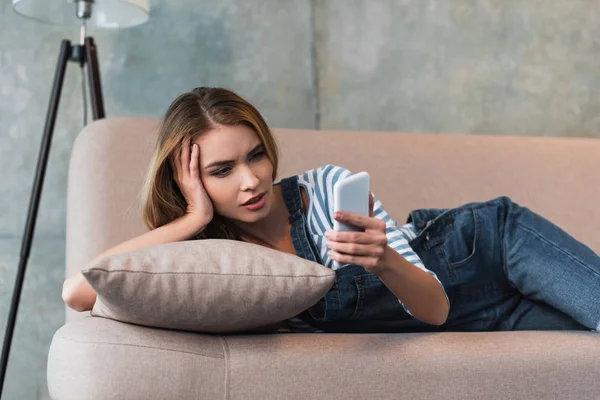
x=483, y=266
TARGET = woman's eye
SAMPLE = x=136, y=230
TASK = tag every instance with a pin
x=221, y=172
x=225, y=171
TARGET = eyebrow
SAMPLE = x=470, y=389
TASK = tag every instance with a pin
x=226, y=162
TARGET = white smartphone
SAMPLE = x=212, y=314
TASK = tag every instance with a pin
x=351, y=194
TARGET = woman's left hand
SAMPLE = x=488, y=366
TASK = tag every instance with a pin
x=367, y=249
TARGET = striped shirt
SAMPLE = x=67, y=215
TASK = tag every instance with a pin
x=318, y=184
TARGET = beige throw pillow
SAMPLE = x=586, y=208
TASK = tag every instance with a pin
x=212, y=286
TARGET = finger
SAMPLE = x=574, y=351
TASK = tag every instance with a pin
x=355, y=249
x=350, y=259
x=349, y=237
x=194, y=162
x=358, y=220
x=185, y=156
x=371, y=203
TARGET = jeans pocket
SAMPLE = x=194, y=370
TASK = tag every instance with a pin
x=461, y=236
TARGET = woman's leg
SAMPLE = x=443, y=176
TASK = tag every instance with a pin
x=534, y=315
x=548, y=265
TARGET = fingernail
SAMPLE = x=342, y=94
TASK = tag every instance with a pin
x=338, y=215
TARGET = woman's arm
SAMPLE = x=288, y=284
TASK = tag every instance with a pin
x=384, y=250
x=419, y=291
x=80, y=296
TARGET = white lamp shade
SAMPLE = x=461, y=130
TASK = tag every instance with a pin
x=105, y=13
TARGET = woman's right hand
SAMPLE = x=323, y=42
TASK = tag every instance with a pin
x=185, y=163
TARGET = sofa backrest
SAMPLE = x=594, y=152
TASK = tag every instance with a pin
x=556, y=177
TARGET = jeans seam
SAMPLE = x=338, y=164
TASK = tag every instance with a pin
x=359, y=299
x=476, y=237
x=501, y=232
x=444, y=254
x=543, y=239
x=337, y=294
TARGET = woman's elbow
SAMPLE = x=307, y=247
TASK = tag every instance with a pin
x=440, y=320
x=441, y=316
x=78, y=294
x=70, y=298
x=437, y=315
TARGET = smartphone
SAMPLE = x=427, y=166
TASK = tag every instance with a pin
x=351, y=194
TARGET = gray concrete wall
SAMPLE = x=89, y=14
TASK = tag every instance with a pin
x=497, y=67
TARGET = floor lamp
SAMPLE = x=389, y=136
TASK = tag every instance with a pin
x=106, y=14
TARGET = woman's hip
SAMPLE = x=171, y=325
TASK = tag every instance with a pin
x=463, y=246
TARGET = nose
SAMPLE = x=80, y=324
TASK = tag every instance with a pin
x=249, y=179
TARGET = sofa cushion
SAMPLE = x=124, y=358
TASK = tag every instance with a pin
x=101, y=359
x=211, y=286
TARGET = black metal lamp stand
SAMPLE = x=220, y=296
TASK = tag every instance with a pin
x=83, y=54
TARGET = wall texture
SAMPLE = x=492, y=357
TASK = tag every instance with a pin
x=479, y=67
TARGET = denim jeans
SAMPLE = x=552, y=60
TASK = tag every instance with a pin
x=503, y=266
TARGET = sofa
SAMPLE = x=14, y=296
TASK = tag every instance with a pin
x=100, y=358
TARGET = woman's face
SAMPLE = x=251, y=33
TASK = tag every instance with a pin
x=234, y=167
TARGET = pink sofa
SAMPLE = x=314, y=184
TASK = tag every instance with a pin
x=96, y=358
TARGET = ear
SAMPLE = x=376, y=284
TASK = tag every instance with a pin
x=371, y=204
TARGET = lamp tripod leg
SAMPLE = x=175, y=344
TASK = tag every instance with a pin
x=63, y=58
x=91, y=58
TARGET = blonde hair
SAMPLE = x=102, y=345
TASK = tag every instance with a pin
x=192, y=114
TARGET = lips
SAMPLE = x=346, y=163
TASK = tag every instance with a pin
x=253, y=199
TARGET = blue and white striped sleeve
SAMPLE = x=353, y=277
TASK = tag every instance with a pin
x=398, y=240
